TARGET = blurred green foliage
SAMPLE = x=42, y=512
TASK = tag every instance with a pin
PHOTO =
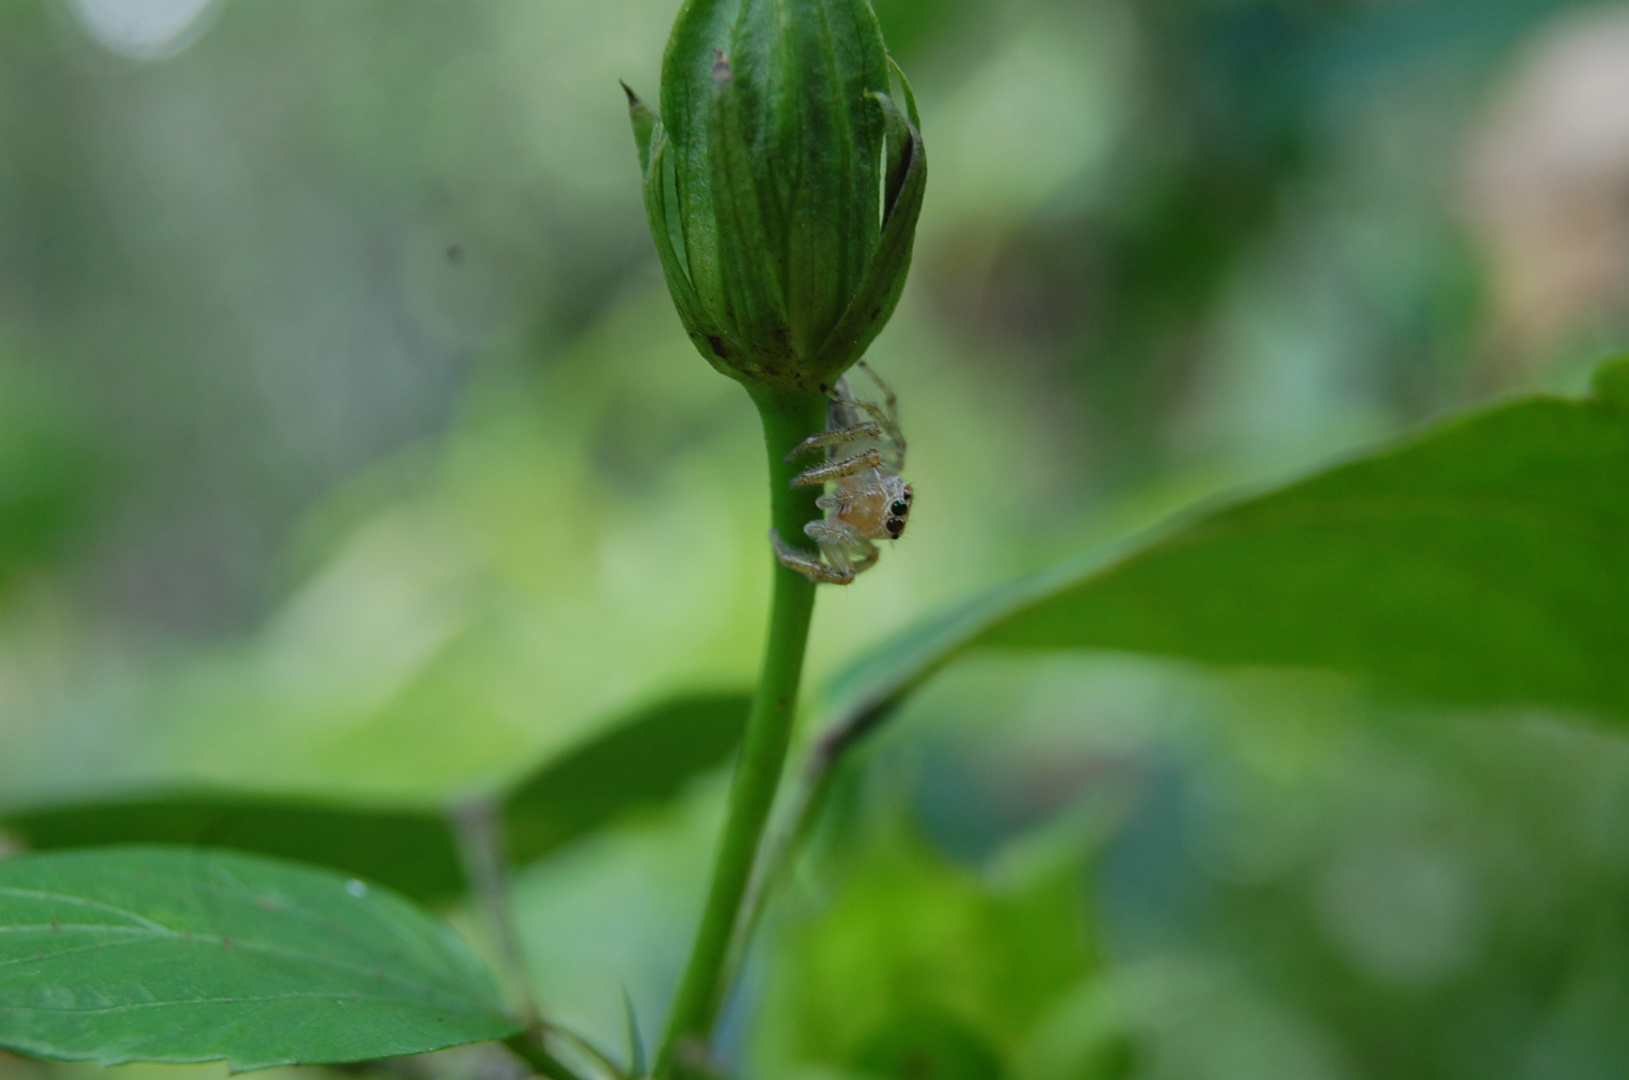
x=349, y=447
x=919, y=967
x=46, y=474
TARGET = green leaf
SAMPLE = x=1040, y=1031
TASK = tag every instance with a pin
x=884, y=279
x=713, y=343
x=644, y=123
x=411, y=850
x=1484, y=561
x=754, y=299
x=168, y=954
x=686, y=100
x=643, y=760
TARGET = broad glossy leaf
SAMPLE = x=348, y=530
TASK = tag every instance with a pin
x=414, y=850
x=178, y=955
x=1483, y=561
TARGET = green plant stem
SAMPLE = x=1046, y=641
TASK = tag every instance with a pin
x=788, y=418
x=482, y=847
x=790, y=833
x=528, y=1046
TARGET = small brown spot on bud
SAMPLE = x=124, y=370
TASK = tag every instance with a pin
x=721, y=67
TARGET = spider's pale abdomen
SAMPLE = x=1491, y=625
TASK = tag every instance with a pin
x=875, y=505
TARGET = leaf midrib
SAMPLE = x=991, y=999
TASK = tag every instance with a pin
x=148, y=929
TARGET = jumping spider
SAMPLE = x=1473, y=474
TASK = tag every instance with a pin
x=868, y=501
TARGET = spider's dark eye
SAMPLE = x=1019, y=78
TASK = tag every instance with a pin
x=907, y=493
x=899, y=508
x=895, y=527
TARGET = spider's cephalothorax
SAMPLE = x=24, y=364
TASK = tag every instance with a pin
x=867, y=500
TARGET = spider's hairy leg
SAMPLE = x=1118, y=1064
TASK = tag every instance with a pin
x=806, y=564
x=889, y=400
x=846, y=550
x=886, y=415
x=837, y=500
x=836, y=470
x=836, y=437
x=869, y=554
x=871, y=408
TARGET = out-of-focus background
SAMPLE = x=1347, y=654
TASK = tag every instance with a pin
x=349, y=445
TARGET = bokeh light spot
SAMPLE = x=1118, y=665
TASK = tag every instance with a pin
x=1405, y=915
x=143, y=29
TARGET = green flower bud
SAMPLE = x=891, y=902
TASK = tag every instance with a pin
x=783, y=184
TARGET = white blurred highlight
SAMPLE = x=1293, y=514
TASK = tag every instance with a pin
x=1550, y=186
x=143, y=29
